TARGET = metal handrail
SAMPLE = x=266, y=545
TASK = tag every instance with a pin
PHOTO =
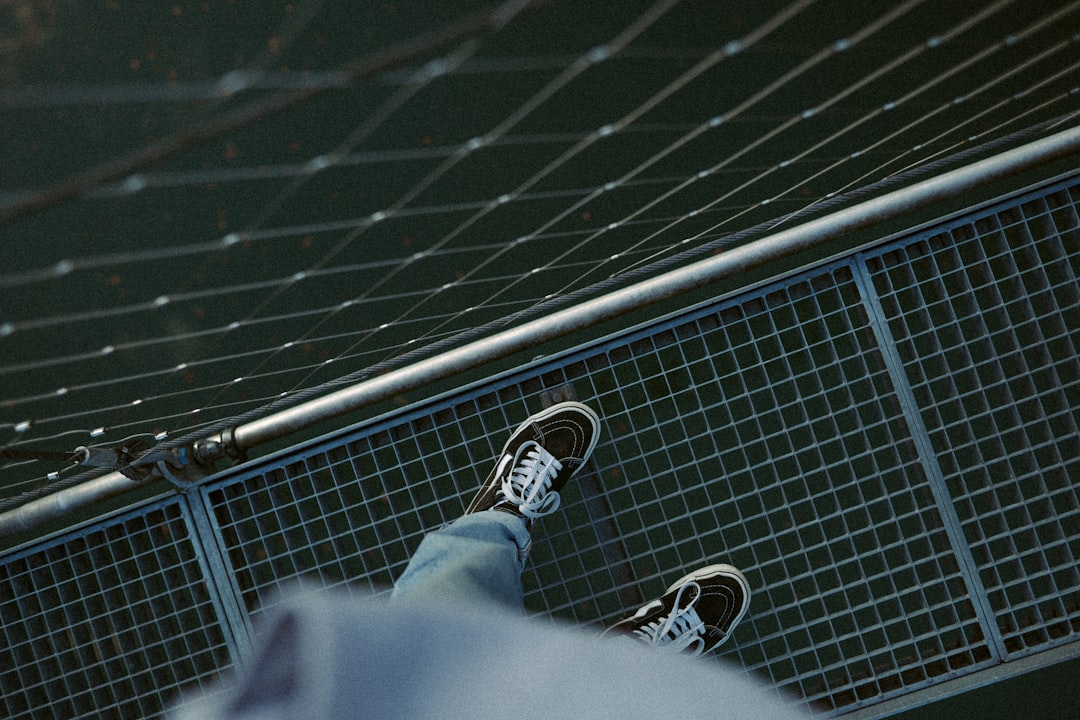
x=564, y=322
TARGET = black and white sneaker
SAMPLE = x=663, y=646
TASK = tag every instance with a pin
x=537, y=460
x=695, y=615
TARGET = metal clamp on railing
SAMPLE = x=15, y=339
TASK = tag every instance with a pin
x=182, y=466
x=121, y=459
x=220, y=447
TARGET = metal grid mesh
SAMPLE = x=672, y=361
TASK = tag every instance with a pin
x=350, y=513
x=890, y=469
x=986, y=318
x=763, y=433
x=110, y=623
x=795, y=464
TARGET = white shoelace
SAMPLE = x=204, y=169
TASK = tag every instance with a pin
x=680, y=631
x=528, y=486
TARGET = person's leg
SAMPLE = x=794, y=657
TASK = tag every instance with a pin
x=476, y=558
x=479, y=557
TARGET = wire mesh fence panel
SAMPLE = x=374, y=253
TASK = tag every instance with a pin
x=986, y=318
x=763, y=433
x=109, y=623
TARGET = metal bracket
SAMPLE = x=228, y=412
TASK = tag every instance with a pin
x=178, y=466
x=123, y=459
x=210, y=450
x=137, y=461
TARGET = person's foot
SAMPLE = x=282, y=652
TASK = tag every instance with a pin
x=695, y=615
x=537, y=460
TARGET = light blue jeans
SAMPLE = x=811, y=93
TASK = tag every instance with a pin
x=475, y=559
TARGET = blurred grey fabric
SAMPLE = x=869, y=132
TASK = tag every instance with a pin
x=330, y=656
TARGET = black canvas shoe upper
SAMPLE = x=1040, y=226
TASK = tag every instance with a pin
x=537, y=460
x=695, y=615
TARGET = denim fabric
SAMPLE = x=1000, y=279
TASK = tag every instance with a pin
x=476, y=559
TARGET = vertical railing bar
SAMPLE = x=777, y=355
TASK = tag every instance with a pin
x=921, y=437
x=207, y=541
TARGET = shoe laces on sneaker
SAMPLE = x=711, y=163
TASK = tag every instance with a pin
x=528, y=485
x=680, y=631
